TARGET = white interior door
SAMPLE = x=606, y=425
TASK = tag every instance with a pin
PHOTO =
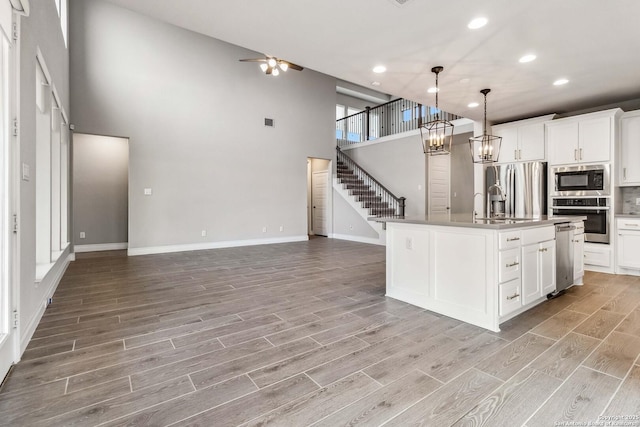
x=8, y=287
x=439, y=184
x=319, y=192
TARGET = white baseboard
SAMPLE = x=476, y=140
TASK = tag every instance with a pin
x=150, y=250
x=101, y=247
x=359, y=239
x=56, y=272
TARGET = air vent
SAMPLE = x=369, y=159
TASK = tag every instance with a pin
x=269, y=122
x=399, y=3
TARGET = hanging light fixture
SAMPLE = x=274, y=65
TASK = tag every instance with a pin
x=485, y=148
x=437, y=134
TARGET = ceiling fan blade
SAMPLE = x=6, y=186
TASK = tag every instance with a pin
x=293, y=66
x=253, y=60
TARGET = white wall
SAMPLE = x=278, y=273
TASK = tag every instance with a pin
x=41, y=30
x=194, y=117
x=100, y=189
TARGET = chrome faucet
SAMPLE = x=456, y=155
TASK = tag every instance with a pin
x=490, y=202
x=475, y=212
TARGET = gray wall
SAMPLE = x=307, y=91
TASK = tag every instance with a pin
x=194, y=117
x=41, y=30
x=400, y=166
x=100, y=189
x=461, y=174
x=347, y=221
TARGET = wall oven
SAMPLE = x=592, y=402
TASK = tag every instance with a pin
x=596, y=209
x=576, y=181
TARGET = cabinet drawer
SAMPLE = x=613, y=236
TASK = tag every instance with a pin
x=597, y=257
x=579, y=225
x=509, y=264
x=509, y=239
x=536, y=235
x=510, y=299
x=628, y=224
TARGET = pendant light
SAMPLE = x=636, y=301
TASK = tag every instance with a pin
x=437, y=134
x=485, y=148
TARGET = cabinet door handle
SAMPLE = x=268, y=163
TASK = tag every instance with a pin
x=624, y=173
x=542, y=249
x=514, y=296
x=631, y=225
x=512, y=239
x=581, y=154
x=520, y=154
x=575, y=154
x=515, y=154
x=513, y=264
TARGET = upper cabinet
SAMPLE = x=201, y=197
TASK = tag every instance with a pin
x=522, y=140
x=587, y=138
x=630, y=149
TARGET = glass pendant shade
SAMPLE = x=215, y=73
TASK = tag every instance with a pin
x=437, y=134
x=485, y=148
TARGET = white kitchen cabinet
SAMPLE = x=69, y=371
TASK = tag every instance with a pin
x=522, y=140
x=630, y=149
x=578, y=253
x=628, y=243
x=538, y=270
x=587, y=138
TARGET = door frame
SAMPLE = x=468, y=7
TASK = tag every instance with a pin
x=10, y=270
x=326, y=165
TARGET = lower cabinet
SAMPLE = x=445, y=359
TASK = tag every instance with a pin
x=578, y=254
x=628, y=243
x=538, y=270
x=510, y=298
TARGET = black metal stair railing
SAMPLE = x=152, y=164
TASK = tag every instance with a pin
x=367, y=190
x=397, y=116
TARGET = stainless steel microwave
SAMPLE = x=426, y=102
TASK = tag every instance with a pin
x=577, y=181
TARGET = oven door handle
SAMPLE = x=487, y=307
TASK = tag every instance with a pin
x=583, y=208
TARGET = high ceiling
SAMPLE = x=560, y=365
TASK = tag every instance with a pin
x=593, y=43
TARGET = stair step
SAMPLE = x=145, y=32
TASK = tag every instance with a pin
x=375, y=204
x=382, y=212
x=368, y=198
x=357, y=186
x=362, y=193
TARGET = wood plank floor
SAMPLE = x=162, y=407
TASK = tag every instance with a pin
x=301, y=334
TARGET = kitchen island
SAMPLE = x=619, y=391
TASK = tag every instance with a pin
x=480, y=271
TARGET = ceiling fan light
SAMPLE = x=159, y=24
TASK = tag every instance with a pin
x=284, y=66
x=275, y=72
x=272, y=62
x=264, y=67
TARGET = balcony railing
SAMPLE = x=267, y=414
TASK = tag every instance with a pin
x=397, y=116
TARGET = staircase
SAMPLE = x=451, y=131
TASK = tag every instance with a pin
x=369, y=193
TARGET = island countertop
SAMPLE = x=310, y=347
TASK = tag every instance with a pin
x=471, y=221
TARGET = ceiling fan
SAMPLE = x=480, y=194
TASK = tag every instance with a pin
x=272, y=65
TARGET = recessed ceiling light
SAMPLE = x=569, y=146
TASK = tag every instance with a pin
x=527, y=58
x=432, y=90
x=379, y=69
x=375, y=83
x=560, y=82
x=477, y=23
x=465, y=80
x=473, y=105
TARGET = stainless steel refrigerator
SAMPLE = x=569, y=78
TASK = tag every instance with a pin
x=524, y=186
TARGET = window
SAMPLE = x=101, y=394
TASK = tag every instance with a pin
x=61, y=7
x=52, y=169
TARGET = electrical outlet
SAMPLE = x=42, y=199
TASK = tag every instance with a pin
x=204, y=233
x=409, y=243
x=147, y=191
x=83, y=235
x=264, y=229
x=637, y=200
x=282, y=228
x=350, y=227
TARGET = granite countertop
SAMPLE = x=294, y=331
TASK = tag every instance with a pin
x=468, y=220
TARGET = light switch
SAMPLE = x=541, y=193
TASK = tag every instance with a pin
x=26, y=172
x=147, y=191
